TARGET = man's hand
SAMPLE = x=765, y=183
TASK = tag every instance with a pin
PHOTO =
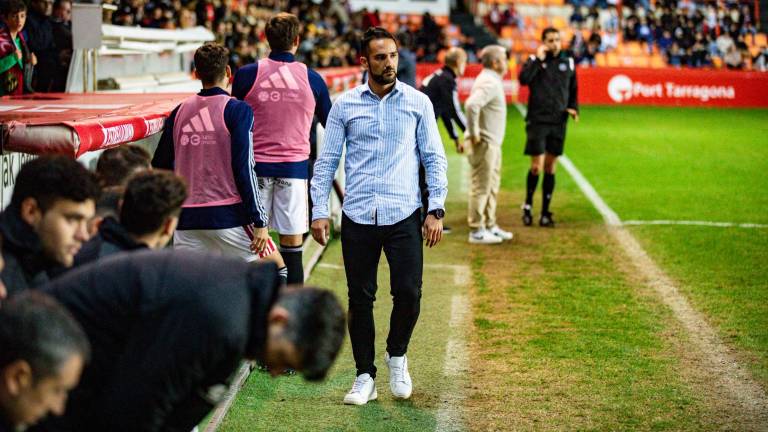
x=573, y=113
x=321, y=230
x=474, y=140
x=33, y=59
x=541, y=52
x=432, y=230
x=459, y=145
x=260, y=238
x=19, y=55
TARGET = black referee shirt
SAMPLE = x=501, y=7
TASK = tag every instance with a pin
x=552, y=83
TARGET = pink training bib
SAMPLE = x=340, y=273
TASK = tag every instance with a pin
x=283, y=107
x=203, y=152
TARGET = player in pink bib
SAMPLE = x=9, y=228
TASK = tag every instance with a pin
x=285, y=95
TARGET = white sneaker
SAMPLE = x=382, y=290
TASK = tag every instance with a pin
x=363, y=390
x=498, y=232
x=483, y=236
x=399, y=378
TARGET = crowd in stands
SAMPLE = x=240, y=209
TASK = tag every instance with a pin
x=686, y=32
x=330, y=35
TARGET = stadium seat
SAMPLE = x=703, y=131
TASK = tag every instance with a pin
x=761, y=39
x=559, y=22
x=507, y=32
x=634, y=49
x=600, y=60
x=657, y=61
x=612, y=60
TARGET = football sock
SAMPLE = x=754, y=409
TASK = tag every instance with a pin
x=547, y=186
x=292, y=256
x=282, y=273
x=532, y=181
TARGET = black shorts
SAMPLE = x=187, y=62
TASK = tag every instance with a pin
x=544, y=138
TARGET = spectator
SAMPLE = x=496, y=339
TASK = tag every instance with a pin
x=676, y=55
x=733, y=58
x=43, y=353
x=760, y=62
x=169, y=329
x=148, y=217
x=16, y=60
x=61, y=26
x=40, y=34
x=486, y=122
x=46, y=222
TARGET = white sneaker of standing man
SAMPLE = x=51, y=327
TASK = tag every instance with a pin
x=483, y=236
x=363, y=390
x=399, y=378
x=498, y=232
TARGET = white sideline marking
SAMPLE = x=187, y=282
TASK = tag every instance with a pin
x=725, y=371
x=696, y=223
x=456, y=365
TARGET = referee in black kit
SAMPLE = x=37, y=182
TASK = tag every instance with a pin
x=551, y=77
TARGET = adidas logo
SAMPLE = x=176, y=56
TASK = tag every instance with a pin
x=281, y=79
x=201, y=122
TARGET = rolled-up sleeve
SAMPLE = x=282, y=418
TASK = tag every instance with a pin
x=328, y=161
x=433, y=158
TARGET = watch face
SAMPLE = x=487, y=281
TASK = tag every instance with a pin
x=439, y=213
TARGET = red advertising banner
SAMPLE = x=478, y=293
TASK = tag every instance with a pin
x=673, y=87
x=636, y=86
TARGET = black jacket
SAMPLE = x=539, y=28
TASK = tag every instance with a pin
x=25, y=265
x=111, y=239
x=168, y=329
x=553, y=88
x=441, y=89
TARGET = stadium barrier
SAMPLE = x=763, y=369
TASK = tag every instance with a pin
x=642, y=86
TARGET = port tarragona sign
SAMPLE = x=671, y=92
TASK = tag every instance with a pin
x=637, y=86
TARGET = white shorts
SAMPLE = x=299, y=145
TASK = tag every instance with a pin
x=230, y=241
x=286, y=203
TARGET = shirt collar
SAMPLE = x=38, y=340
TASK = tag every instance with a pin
x=493, y=73
x=213, y=91
x=283, y=56
x=367, y=89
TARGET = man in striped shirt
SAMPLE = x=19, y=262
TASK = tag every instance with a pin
x=389, y=129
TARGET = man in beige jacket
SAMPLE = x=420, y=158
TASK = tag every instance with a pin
x=486, y=110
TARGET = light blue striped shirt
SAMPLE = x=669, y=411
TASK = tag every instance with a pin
x=386, y=140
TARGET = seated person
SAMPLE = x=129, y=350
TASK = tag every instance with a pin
x=169, y=328
x=43, y=352
x=148, y=217
x=46, y=223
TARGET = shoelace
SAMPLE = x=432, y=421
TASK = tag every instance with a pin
x=358, y=385
x=399, y=373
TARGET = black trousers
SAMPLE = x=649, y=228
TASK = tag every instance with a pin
x=361, y=246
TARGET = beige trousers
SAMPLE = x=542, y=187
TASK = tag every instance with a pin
x=485, y=168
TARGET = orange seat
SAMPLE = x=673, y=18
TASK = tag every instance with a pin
x=634, y=48
x=761, y=39
x=717, y=62
x=657, y=61
x=559, y=22
x=600, y=60
x=612, y=60
x=507, y=32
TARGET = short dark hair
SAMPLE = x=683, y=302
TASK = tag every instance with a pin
x=117, y=164
x=149, y=199
x=37, y=329
x=211, y=61
x=547, y=31
x=13, y=6
x=316, y=327
x=50, y=178
x=109, y=201
x=281, y=31
x=371, y=34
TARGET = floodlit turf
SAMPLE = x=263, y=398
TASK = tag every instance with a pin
x=563, y=335
x=700, y=165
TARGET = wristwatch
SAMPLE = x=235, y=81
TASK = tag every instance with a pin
x=438, y=213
